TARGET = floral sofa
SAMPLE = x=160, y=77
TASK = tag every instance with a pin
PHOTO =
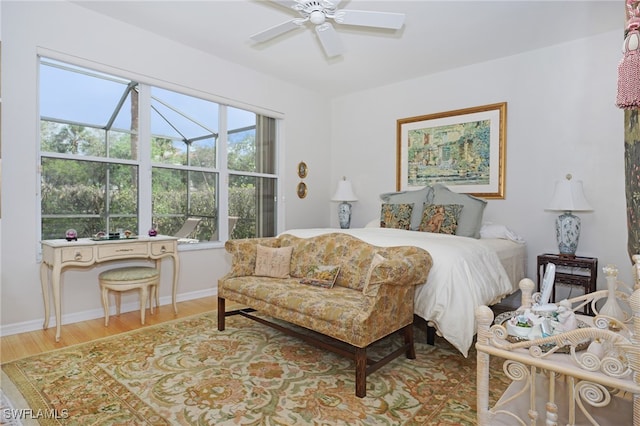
x=364, y=294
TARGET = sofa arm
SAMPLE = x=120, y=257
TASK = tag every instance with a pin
x=407, y=269
x=391, y=291
x=243, y=255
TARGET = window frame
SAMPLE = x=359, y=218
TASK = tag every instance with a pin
x=144, y=161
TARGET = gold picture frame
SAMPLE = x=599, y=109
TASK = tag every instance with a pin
x=302, y=170
x=464, y=149
x=302, y=190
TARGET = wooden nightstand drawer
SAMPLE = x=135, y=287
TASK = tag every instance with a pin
x=118, y=251
x=77, y=254
x=162, y=247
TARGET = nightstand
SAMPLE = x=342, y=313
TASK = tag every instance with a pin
x=570, y=271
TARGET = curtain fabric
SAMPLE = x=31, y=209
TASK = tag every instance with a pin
x=632, y=178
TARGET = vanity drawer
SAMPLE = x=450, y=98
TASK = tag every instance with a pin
x=77, y=254
x=119, y=251
x=162, y=247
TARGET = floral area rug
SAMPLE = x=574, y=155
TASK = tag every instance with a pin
x=186, y=372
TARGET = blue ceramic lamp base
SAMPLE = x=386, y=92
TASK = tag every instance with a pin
x=344, y=215
x=567, y=233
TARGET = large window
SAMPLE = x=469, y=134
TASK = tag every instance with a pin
x=194, y=168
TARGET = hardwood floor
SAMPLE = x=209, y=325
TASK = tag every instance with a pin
x=17, y=346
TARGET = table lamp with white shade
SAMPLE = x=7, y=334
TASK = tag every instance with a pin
x=344, y=194
x=568, y=197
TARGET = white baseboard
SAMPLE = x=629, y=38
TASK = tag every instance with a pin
x=22, y=327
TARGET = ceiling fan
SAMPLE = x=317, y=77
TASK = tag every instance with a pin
x=319, y=12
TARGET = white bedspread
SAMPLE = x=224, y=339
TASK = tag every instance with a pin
x=465, y=274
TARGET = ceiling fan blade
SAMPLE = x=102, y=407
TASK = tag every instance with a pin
x=329, y=39
x=289, y=4
x=330, y=4
x=275, y=31
x=370, y=19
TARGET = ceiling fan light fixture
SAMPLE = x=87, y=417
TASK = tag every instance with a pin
x=317, y=17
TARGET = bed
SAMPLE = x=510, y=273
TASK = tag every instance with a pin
x=480, y=266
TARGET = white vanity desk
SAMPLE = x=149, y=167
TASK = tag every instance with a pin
x=60, y=254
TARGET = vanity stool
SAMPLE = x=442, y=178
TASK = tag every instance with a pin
x=144, y=278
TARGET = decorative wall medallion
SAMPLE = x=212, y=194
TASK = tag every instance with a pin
x=302, y=190
x=302, y=170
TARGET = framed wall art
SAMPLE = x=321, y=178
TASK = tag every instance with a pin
x=464, y=149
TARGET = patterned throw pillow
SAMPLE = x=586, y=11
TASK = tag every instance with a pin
x=321, y=275
x=416, y=197
x=470, y=220
x=370, y=290
x=273, y=262
x=440, y=218
x=396, y=216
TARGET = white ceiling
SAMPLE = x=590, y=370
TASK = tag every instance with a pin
x=437, y=35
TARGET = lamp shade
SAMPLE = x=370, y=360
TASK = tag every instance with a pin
x=568, y=196
x=344, y=192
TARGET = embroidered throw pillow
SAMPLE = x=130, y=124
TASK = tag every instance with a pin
x=470, y=220
x=396, y=216
x=416, y=197
x=273, y=262
x=321, y=275
x=440, y=218
x=371, y=290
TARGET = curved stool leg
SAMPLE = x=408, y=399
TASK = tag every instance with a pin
x=118, y=302
x=153, y=297
x=105, y=305
x=143, y=302
x=156, y=285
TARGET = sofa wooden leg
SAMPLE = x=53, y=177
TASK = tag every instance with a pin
x=221, y=314
x=361, y=372
x=408, y=341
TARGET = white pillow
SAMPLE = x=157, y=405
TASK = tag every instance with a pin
x=490, y=230
x=375, y=223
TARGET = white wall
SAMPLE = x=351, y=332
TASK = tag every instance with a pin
x=29, y=27
x=561, y=118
